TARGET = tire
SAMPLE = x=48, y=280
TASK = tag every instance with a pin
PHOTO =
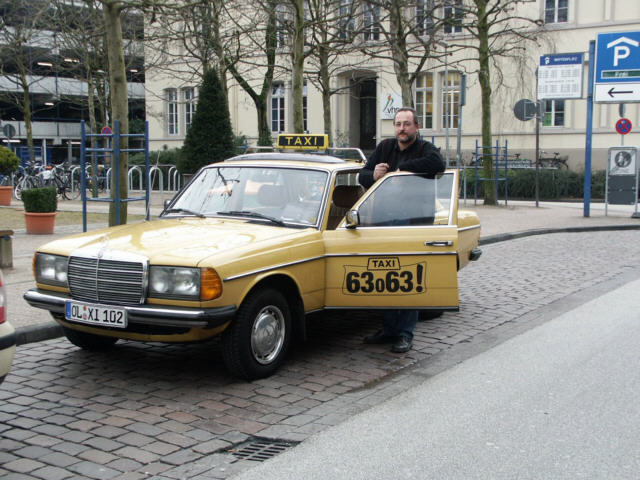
x=256, y=343
x=25, y=184
x=72, y=194
x=89, y=341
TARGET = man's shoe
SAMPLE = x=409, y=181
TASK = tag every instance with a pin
x=378, y=338
x=402, y=345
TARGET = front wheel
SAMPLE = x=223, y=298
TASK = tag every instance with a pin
x=257, y=341
x=89, y=341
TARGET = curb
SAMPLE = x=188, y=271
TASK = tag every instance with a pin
x=50, y=330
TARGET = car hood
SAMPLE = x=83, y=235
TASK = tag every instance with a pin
x=180, y=241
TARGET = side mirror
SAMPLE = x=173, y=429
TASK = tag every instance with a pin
x=166, y=203
x=352, y=219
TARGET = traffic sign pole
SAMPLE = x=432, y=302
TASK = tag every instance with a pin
x=589, y=130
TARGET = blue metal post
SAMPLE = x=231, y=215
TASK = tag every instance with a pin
x=506, y=172
x=496, y=170
x=83, y=174
x=475, y=186
x=115, y=167
x=589, y=130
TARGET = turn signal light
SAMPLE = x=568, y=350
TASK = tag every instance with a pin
x=210, y=284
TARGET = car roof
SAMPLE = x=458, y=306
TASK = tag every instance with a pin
x=289, y=157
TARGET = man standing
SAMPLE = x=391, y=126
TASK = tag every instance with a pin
x=408, y=153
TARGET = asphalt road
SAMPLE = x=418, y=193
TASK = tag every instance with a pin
x=559, y=401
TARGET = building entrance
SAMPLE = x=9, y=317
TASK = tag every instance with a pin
x=368, y=102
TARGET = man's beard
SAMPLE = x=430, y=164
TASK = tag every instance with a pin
x=410, y=138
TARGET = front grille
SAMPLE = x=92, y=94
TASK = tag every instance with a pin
x=106, y=281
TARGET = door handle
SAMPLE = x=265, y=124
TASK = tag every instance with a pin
x=439, y=243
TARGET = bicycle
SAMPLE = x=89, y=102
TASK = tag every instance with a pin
x=557, y=161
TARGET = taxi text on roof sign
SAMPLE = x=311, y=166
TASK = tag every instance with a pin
x=303, y=141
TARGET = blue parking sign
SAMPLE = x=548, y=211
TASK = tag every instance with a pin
x=617, y=67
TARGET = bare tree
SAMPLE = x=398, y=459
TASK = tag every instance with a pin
x=409, y=30
x=499, y=33
x=23, y=43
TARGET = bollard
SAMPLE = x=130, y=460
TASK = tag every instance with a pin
x=6, y=250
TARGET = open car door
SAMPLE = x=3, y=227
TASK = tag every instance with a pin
x=398, y=247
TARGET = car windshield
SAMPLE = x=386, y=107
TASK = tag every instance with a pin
x=409, y=200
x=279, y=196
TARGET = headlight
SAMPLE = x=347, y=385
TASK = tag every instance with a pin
x=182, y=283
x=50, y=269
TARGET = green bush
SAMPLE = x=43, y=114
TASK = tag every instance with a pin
x=40, y=200
x=9, y=161
x=554, y=184
x=163, y=157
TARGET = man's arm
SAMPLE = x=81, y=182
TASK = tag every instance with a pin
x=365, y=177
x=430, y=162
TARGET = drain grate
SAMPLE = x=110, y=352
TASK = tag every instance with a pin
x=260, y=450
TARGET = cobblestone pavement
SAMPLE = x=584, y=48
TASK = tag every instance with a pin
x=172, y=412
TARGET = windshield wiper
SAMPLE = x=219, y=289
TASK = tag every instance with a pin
x=246, y=213
x=185, y=210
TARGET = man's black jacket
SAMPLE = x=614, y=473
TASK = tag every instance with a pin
x=420, y=157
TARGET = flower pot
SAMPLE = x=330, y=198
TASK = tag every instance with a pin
x=39, y=223
x=5, y=195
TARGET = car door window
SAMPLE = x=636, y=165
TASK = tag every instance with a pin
x=408, y=199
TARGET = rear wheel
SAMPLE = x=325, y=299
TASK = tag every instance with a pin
x=257, y=341
x=89, y=341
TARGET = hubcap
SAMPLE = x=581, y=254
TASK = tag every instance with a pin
x=267, y=335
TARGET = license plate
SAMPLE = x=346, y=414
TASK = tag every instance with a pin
x=103, y=315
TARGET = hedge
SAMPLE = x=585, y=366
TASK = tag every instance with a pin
x=554, y=184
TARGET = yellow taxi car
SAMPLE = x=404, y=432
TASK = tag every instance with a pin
x=249, y=247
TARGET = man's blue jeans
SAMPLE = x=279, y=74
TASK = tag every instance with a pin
x=399, y=322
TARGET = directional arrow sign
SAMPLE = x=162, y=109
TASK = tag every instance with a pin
x=617, y=68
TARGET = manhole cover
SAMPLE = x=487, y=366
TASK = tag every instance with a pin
x=260, y=450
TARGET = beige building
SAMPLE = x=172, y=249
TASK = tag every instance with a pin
x=361, y=115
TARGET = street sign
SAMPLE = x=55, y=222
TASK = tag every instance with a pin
x=621, y=186
x=617, y=68
x=9, y=131
x=106, y=130
x=524, y=109
x=560, y=76
x=623, y=126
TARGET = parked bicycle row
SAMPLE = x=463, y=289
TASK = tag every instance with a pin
x=66, y=179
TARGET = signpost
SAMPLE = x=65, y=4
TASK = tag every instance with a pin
x=617, y=73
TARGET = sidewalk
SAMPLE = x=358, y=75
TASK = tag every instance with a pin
x=499, y=223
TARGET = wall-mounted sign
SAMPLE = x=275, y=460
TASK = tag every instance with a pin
x=389, y=105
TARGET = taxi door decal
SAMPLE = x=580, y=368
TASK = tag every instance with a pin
x=382, y=276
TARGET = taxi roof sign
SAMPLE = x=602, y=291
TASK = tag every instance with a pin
x=303, y=141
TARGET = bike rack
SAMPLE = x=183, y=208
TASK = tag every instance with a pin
x=115, y=150
x=501, y=159
x=132, y=170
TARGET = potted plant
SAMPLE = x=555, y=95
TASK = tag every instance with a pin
x=9, y=163
x=40, y=205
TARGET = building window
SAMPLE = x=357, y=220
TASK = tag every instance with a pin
x=189, y=106
x=172, y=111
x=277, y=107
x=553, y=113
x=424, y=17
x=450, y=99
x=453, y=16
x=347, y=23
x=424, y=99
x=556, y=11
x=371, y=25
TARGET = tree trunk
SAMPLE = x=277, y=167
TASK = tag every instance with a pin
x=484, y=78
x=297, y=64
x=325, y=82
x=26, y=100
x=119, y=102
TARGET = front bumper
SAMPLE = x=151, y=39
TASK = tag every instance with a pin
x=144, y=314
